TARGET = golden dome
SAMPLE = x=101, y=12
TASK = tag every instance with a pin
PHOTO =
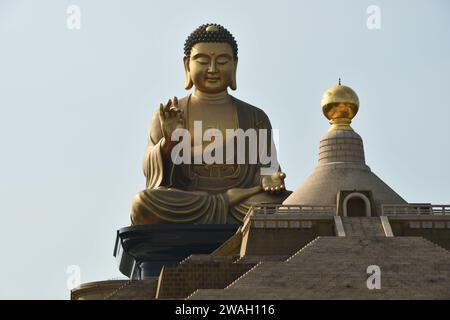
x=340, y=105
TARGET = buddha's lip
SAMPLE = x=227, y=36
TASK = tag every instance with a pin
x=210, y=78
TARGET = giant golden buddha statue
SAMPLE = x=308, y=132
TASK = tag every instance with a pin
x=206, y=192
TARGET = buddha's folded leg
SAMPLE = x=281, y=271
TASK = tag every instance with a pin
x=167, y=205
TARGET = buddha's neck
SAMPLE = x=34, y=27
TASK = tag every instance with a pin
x=221, y=97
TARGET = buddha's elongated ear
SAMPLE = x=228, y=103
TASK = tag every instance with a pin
x=187, y=74
x=233, y=84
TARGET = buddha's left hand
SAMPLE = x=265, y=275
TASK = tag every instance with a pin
x=273, y=183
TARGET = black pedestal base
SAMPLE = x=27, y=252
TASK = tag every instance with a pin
x=141, y=251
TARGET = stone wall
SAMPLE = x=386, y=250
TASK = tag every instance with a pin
x=435, y=229
x=275, y=238
x=199, y=272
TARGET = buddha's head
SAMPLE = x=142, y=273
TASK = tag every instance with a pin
x=210, y=59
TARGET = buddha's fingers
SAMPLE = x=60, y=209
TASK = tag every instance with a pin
x=167, y=106
x=161, y=111
x=175, y=112
x=171, y=109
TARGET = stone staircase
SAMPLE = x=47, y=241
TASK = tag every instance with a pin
x=336, y=268
x=199, y=271
x=366, y=227
x=135, y=290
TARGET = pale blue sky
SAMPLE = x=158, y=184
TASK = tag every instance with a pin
x=75, y=108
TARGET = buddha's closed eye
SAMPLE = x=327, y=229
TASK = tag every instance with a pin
x=222, y=60
x=202, y=61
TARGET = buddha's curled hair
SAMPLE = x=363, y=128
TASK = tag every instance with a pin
x=210, y=32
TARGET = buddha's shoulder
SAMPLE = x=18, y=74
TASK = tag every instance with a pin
x=250, y=108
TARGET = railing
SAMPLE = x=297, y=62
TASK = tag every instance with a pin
x=415, y=209
x=280, y=209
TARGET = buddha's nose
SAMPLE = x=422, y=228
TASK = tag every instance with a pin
x=212, y=67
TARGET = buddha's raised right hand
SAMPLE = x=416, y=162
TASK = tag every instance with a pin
x=171, y=118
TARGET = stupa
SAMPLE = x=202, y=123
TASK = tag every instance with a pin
x=342, y=177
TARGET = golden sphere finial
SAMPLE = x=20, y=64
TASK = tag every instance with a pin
x=340, y=104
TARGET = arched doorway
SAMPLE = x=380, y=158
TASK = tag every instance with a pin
x=356, y=205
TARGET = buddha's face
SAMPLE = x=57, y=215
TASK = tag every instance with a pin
x=211, y=66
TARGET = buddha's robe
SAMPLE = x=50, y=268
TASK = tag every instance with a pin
x=196, y=193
